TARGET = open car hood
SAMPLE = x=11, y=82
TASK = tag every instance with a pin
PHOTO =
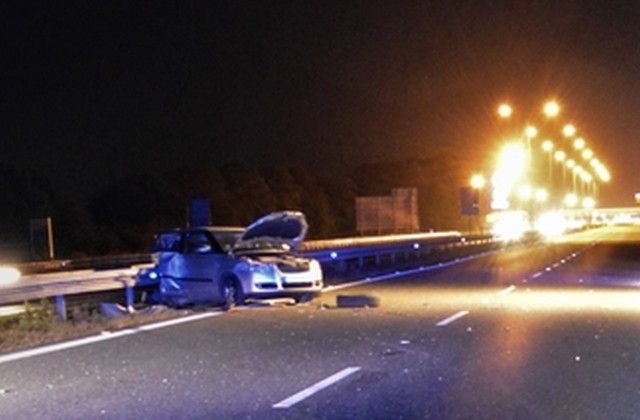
x=278, y=231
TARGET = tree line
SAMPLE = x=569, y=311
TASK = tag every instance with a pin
x=124, y=216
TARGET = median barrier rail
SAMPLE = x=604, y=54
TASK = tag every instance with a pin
x=342, y=255
x=334, y=254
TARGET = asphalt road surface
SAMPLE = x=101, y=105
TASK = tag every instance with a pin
x=550, y=331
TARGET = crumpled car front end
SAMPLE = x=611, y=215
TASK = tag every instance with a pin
x=283, y=275
x=268, y=265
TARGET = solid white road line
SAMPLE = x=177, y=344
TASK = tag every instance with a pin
x=402, y=273
x=306, y=393
x=452, y=318
x=104, y=336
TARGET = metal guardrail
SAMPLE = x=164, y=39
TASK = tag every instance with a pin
x=328, y=252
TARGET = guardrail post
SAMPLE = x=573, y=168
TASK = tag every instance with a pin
x=61, y=307
x=130, y=297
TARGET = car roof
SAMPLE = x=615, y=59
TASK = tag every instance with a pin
x=212, y=229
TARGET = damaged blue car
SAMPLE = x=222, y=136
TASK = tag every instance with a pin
x=229, y=265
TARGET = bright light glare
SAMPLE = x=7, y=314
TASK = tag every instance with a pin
x=525, y=192
x=504, y=111
x=9, y=275
x=551, y=224
x=579, y=143
x=477, y=182
x=547, y=145
x=531, y=132
x=551, y=109
x=603, y=173
x=557, y=300
x=509, y=226
x=569, y=130
x=542, y=195
x=510, y=167
x=512, y=160
x=571, y=200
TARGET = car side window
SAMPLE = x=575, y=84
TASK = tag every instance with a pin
x=198, y=243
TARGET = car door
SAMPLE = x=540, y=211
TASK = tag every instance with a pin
x=202, y=260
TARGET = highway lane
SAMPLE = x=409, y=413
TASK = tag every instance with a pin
x=526, y=333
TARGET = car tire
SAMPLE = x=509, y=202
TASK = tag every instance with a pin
x=304, y=298
x=232, y=294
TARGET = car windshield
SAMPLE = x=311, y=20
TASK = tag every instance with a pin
x=227, y=239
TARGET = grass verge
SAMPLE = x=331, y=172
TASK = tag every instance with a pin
x=39, y=324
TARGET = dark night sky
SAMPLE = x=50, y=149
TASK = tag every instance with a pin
x=94, y=89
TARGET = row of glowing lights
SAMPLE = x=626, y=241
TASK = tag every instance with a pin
x=513, y=159
x=587, y=154
x=511, y=168
x=552, y=109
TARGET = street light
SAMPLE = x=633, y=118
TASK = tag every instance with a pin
x=547, y=146
x=505, y=110
x=477, y=182
x=541, y=195
x=551, y=109
x=530, y=132
x=571, y=200
x=569, y=130
x=560, y=156
x=587, y=154
x=588, y=203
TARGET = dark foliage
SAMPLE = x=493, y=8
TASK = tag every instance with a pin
x=124, y=216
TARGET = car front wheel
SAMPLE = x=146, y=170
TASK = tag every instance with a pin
x=232, y=294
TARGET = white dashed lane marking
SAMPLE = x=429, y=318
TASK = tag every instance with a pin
x=452, y=318
x=319, y=386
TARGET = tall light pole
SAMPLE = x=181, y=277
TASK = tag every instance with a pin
x=547, y=146
x=477, y=183
x=560, y=157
